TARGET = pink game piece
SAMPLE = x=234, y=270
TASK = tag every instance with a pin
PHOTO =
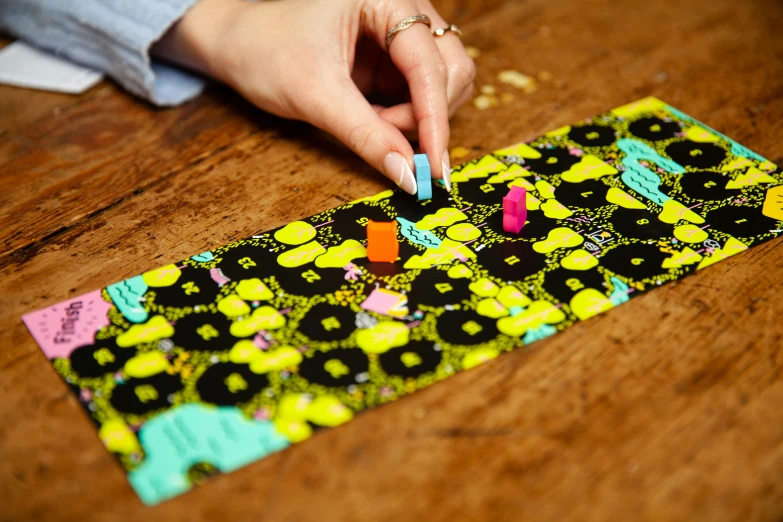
x=514, y=210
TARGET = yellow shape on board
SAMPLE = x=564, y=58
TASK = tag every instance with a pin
x=276, y=360
x=154, y=329
x=532, y=202
x=520, y=182
x=263, y=318
x=444, y=217
x=562, y=131
x=589, y=302
x=482, y=168
x=767, y=166
x=649, y=104
x=243, y=352
x=673, y=211
x=510, y=296
x=484, y=288
x=623, y=199
x=545, y=189
x=561, y=237
x=579, y=259
x=448, y=251
x=233, y=306
x=773, y=203
x=340, y=255
x=326, y=410
x=523, y=150
x=146, y=364
x=118, y=437
x=700, y=135
x=686, y=257
x=752, y=177
x=732, y=247
x=459, y=271
x=491, y=308
x=478, y=356
x=295, y=233
x=163, y=276
x=386, y=194
x=382, y=337
x=463, y=232
x=294, y=431
x=536, y=315
x=590, y=167
x=293, y=406
x=300, y=255
x=554, y=209
x=738, y=163
x=514, y=171
x=253, y=290
x=690, y=234
x=411, y=359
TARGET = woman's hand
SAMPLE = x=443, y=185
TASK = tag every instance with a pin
x=319, y=61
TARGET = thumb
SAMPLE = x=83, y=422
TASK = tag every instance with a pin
x=343, y=111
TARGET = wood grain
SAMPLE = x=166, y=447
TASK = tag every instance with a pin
x=667, y=408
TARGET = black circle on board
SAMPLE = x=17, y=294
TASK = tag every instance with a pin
x=203, y=332
x=592, y=135
x=337, y=367
x=466, y=327
x=99, y=358
x=740, y=221
x=328, y=322
x=414, y=359
x=697, y=155
x=590, y=193
x=228, y=384
x=640, y=224
x=511, y=260
x=140, y=396
x=636, y=261
x=552, y=161
x=654, y=129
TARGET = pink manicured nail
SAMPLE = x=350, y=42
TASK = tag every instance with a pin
x=398, y=170
x=447, y=170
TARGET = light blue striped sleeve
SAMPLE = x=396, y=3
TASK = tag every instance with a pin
x=112, y=36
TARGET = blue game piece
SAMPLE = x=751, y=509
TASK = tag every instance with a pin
x=423, y=176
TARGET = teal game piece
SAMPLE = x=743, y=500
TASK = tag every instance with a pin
x=423, y=176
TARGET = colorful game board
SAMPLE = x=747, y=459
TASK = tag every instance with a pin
x=219, y=360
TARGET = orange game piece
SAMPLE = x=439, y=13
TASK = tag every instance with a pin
x=382, y=245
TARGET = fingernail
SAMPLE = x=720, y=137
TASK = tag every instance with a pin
x=446, y=170
x=398, y=170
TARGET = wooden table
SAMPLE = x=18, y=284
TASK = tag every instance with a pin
x=668, y=408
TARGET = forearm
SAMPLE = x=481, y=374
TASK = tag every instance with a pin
x=198, y=40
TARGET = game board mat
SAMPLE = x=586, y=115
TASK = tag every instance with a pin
x=233, y=354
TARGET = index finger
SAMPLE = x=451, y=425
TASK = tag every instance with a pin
x=414, y=52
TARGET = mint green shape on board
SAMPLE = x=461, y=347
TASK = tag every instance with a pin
x=536, y=334
x=424, y=238
x=195, y=433
x=620, y=293
x=641, y=179
x=126, y=295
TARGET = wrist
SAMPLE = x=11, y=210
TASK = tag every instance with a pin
x=198, y=39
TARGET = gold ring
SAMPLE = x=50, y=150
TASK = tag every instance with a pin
x=404, y=24
x=440, y=31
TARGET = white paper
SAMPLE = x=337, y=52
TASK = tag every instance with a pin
x=25, y=66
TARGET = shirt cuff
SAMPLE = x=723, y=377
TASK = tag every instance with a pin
x=112, y=36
